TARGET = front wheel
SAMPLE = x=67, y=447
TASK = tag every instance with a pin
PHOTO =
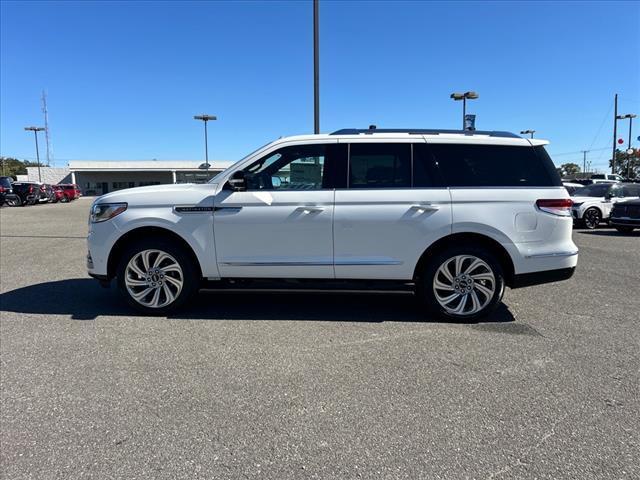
x=462, y=284
x=592, y=218
x=157, y=276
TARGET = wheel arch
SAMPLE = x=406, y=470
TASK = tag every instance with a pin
x=472, y=239
x=146, y=232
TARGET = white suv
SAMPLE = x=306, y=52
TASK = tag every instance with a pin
x=453, y=216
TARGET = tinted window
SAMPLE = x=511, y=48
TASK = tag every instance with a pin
x=380, y=165
x=495, y=166
x=595, y=190
x=290, y=168
x=631, y=190
x=424, y=173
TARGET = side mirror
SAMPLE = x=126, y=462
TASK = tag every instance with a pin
x=608, y=196
x=238, y=181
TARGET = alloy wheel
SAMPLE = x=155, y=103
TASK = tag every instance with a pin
x=592, y=218
x=154, y=278
x=463, y=285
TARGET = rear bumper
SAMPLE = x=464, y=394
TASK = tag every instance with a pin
x=538, y=278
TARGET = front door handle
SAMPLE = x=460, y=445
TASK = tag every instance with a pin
x=425, y=207
x=308, y=210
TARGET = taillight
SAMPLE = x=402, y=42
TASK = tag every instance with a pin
x=561, y=207
x=30, y=188
x=1, y=189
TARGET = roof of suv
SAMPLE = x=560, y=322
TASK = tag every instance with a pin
x=436, y=136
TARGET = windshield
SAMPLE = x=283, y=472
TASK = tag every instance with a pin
x=242, y=159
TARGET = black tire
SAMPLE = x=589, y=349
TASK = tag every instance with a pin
x=14, y=201
x=591, y=218
x=425, y=283
x=64, y=199
x=624, y=229
x=190, y=274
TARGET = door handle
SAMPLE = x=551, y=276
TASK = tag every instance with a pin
x=425, y=207
x=308, y=210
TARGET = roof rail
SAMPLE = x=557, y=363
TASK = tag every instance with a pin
x=422, y=131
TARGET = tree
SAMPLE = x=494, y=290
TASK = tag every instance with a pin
x=627, y=166
x=10, y=167
x=569, y=169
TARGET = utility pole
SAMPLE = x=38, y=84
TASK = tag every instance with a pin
x=47, y=135
x=615, y=133
x=316, y=69
x=584, y=160
x=35, y=131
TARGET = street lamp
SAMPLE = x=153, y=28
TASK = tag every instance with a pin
x=464, y=97
x=35, y=131
x=205, y=118
x=525, y=132
x=630, y=116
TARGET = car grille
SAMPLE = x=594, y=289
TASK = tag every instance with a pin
x=631, y=211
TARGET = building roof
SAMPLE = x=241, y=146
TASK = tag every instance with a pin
x=145, y=165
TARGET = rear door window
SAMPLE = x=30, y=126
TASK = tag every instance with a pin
x=380, y=165
x=474, y=165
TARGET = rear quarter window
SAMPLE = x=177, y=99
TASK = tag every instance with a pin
x=495, y=166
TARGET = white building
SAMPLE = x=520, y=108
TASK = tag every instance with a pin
x=100, y=177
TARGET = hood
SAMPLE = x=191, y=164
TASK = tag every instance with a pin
x=161, y=195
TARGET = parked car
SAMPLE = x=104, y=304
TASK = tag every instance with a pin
x=6, y=191
x=605, y=178
x=592, y=204
x=26, y=193
x=625, y=216
x=452, y=216
x=58, y=192
x=71, y=191
x=47, y=194
x=571, y=187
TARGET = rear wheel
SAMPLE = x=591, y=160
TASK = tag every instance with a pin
x=157, y=276
x=624, y=229
x=14, y=201
x=592, y=218
x=462, y=283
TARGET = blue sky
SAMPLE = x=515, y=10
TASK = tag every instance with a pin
x=124, y=79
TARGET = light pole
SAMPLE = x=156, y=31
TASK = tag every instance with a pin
x=630, y=116
x=464, y=96
x=35, y=131
x=205, y=118
x=316, y=69
x=528, y=132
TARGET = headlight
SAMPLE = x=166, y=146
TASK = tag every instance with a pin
x=101, y=212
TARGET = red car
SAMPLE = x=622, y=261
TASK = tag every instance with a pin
x=59, y=193
x=71, y=191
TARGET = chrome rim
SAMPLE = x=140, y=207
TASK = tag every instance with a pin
x=153, y=278
x=464, y=285
x=592, y=218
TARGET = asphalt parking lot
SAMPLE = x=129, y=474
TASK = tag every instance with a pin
x=293, y=386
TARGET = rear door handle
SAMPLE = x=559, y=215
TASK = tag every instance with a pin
x=425, y=207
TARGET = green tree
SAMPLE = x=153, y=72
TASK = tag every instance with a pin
x=10, y=167
x=569, y=169
x=627, y=165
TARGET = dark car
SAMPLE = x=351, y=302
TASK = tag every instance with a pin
x=26, y=193
x=6, y=191
x=625, y=216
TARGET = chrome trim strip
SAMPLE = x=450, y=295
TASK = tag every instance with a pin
x=551, y=255
x=312, y=264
